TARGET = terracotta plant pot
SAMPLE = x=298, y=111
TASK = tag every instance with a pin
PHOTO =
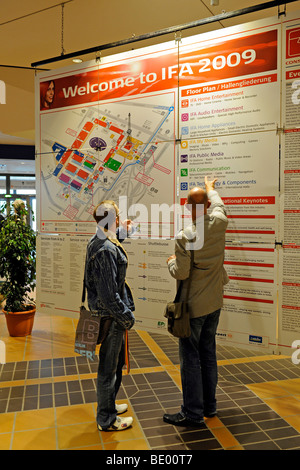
x=20, y=323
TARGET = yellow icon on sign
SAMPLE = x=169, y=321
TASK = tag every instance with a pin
x=184, y=144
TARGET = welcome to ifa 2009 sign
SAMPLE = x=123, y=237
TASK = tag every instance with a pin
x=144, y=127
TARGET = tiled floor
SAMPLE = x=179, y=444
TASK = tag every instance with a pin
x=47, y=396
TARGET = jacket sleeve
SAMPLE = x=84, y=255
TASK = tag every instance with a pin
x=217, y=206
x=105, y=271
x=179, y=268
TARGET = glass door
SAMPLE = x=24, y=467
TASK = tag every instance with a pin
x=20, y=187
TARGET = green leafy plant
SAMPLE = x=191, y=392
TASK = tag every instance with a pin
x=17, y=259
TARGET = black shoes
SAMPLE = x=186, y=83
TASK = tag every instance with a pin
x=210, y=415
x=178, y=419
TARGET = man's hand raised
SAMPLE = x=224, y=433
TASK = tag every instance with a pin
x=209, y=185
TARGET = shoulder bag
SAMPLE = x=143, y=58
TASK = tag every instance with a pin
x=177, y=312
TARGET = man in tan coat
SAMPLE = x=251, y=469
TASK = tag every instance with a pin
x=198, y=364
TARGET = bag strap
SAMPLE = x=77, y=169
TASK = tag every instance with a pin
x=190, y=276
x=189, y=281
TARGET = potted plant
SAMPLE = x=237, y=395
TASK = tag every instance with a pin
x=18, y=270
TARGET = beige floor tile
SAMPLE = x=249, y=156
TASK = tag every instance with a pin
x=294, y=421
x=78, y=435
x=35, y=419
x=38, y=346
x=137, y=444
x=75, y=414
x=213, y=423
x=6, y=422
x=225, y=437
x=288, y=406
x=15, y=348
x=291, y=386
x=268, y=389
x=38, y=439
x=5, y=440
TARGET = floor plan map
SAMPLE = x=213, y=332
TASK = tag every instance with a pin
x=105, y=151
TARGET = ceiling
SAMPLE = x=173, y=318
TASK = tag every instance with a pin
x=34, y=30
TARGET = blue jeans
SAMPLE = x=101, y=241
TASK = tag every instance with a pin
x=111, y=361
x=198, y=367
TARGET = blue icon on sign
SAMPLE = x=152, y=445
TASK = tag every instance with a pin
x=255, y=339
x=184, y=186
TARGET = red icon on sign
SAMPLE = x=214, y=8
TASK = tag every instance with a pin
x=293, y=43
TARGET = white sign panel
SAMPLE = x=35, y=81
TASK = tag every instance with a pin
x=143, y=128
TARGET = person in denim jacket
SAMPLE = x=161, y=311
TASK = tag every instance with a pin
x=109, y=296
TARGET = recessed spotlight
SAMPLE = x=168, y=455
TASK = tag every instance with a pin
x=77, y=60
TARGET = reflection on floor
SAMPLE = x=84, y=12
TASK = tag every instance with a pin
x=47, y=396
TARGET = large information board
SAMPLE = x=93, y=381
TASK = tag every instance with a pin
x=143, y=128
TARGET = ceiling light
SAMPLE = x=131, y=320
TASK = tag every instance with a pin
x=214, y=2
x=77, y=60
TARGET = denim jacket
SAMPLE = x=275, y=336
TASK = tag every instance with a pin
x=107, y=291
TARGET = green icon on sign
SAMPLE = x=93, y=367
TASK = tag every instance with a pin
x=184, y=172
